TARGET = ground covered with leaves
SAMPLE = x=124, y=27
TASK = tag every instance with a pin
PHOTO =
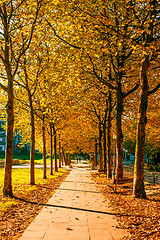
x=17, y=213
x=140, y=217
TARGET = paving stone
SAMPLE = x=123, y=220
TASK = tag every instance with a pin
x=34, y=234
x=58, y=223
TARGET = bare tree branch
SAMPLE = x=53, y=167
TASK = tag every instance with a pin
x=29, y=42
x=154, y=89
x=74, y=46
x=132, y=90
x=3, y=87
x=99, y=77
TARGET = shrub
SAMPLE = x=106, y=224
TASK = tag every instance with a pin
x=16, y=162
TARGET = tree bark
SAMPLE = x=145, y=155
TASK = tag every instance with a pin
x=119, y=112
x=32, y=148
x=138, y=186
x=109, y=126
x=7, y=188
x=69, y=158
x=114, y=160
x=95, y=154
x=104, y=145
x=104, y=136
x=63, y=157
x=51, y=139
x=55, y=149
x=59, y=151
x=44, y=149
x=7, y=11
x=100, y=147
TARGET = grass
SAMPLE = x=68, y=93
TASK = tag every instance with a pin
x=20, y=184
x=26, y=161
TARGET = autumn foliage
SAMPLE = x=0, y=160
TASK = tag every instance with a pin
x=74, y=72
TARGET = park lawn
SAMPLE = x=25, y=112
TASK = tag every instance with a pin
x=27, y=162
x=40, y=161
x=20, y=180
x=16, y=213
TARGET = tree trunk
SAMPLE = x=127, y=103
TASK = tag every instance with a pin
x=138, y=186
x=109, y=121
x=114, y=160
x=69, y=158
x=44, y=149
x=55, y=149
x=32, y=148
x=51, y=139
x=104, y=145
x=63, y=157
x=100, y=147
x=7, y=188
x=119, y=112
x=95, y=154
x=59, y=151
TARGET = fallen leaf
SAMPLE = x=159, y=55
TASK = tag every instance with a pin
x=70, y=229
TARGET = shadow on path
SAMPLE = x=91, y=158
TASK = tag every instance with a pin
x=80, y=182
x=77, y=190
x=66, y=207
x=79, y=209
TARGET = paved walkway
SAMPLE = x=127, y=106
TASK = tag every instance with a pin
x=76, y=211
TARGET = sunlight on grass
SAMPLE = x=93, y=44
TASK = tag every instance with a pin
x=20, y=180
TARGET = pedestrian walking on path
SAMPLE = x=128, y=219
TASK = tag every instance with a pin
x=76, y=211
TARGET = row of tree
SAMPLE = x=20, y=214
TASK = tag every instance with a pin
x=74, y=68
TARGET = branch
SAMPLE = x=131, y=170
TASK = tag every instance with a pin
x=134, y=12
x=3, y=87
x=1, y=76
x=100, y=78
x=3, y=60
x=113, y=106
x=36, y=80
x=132, y=90
x=29, y=42
x=23, y=102
x=40, y=117
x=106, y=111
x=19, y=84
x=154, y=89
x=156, y=67
x=98, y=116
x=74, y=46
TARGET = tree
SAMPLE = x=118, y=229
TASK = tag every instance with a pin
x=102, y=32
x=12, y=49
x=109, y=126
x=149, y=52
x=31, y=69
x=44, y=148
